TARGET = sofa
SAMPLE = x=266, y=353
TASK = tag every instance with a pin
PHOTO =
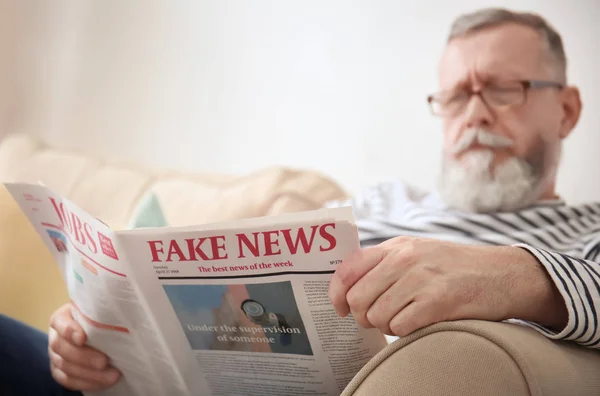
x=466, y=357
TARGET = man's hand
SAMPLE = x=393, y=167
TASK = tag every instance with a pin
x=408, y=283
x=74, y=365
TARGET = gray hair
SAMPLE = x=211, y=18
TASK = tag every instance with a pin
x=490, y=17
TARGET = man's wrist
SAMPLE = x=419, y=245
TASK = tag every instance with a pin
x=538, y=299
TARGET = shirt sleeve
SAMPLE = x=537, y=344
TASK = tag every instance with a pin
x=380, y=209
x=578, y=281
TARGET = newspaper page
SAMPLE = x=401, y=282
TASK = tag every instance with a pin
x=239, y=308
x=246, y=310
x=103, y=294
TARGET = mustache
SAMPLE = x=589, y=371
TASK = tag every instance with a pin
x=483, y=137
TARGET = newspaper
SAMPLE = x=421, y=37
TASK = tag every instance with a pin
x=238, y=308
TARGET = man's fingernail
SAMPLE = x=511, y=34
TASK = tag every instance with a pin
x=112, y=375
x=99, y=362
x=78, y=338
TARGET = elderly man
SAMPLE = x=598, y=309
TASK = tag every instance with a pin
x=494, y=243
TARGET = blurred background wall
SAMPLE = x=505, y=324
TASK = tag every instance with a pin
x=237, y=85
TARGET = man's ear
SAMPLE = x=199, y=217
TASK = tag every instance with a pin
x=571, y=103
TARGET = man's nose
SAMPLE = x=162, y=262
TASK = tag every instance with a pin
x=477, y=113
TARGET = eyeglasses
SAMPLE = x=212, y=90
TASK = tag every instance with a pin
x=498, y=95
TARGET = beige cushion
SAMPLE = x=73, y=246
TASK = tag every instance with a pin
x=31, y=286
x=111, y=190
x=271, y=191
x=479, y=358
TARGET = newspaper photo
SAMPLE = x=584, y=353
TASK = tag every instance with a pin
x=237, y=308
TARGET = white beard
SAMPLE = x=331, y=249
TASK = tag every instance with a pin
x=471, y=186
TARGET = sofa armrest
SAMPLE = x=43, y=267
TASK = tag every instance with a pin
x=479, y=358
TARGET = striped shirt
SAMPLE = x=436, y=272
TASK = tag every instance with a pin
x=564, y=239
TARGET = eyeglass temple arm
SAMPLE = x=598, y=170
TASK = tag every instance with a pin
x=544, y=84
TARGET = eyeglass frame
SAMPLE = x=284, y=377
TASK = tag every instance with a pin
x=526, y=84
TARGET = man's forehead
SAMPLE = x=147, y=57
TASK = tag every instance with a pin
x=508, y=51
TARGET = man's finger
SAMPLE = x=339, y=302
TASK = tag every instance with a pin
x=84, y=356
x=105, y=377
x=349, y=272
x=73, y=383
x=67, y=327
x=414, y=316
x=391, y=302
x=372, y=286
